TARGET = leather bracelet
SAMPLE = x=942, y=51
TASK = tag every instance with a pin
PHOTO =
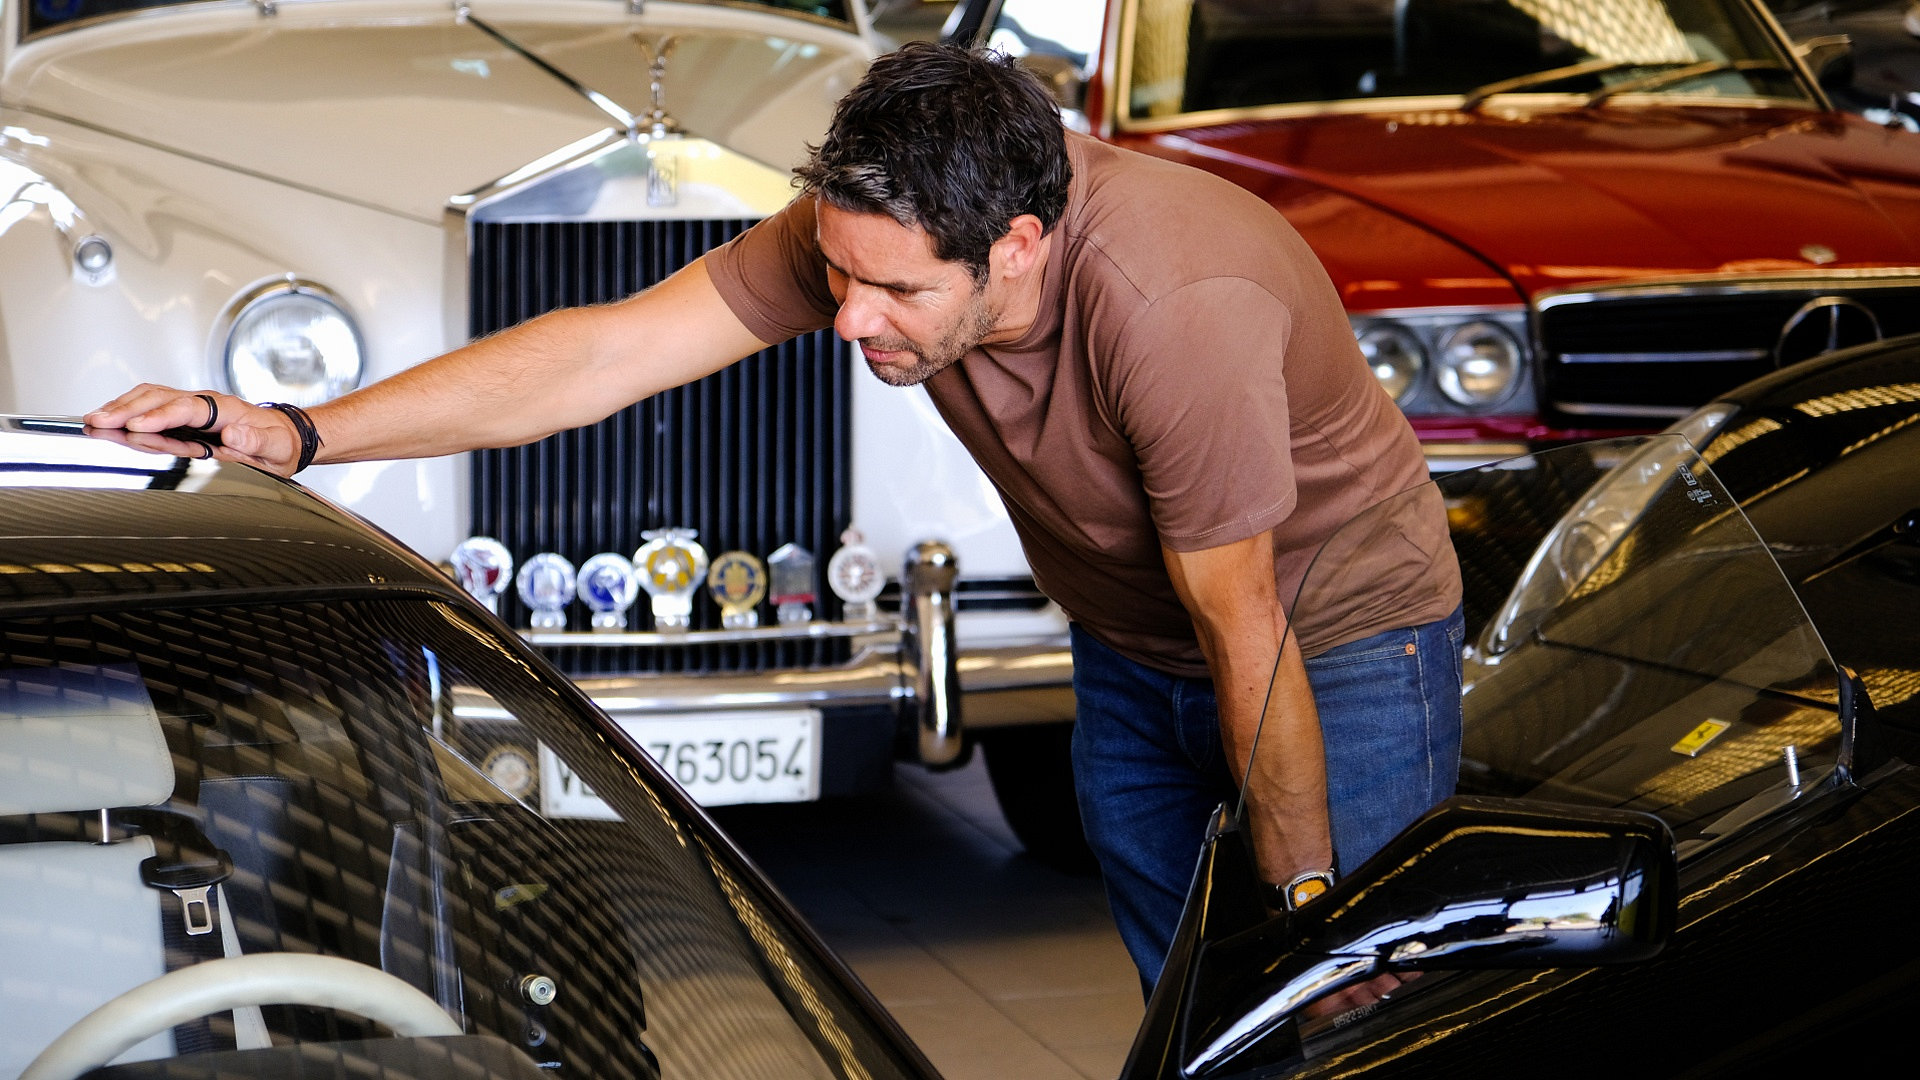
x=310, y=442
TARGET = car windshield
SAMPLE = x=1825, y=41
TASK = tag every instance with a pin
x=1190, y=56
x=42, y=15
x=1630, y=641
x=384, y=786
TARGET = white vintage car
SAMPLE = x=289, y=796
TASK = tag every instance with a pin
x=287, y=199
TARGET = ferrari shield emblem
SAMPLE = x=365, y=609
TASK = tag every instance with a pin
x=1697, y=739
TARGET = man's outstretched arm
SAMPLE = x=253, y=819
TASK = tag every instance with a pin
x=562, y=370
x=1229, y=591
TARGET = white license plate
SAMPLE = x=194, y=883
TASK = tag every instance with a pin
x=721, y=758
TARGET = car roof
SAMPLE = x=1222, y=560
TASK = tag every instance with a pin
x=86, y=521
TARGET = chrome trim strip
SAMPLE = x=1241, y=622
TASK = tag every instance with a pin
x=1399, y=108
x=1707, y=356
x=1453, y=457
x=1462, y=451
x=462, y=13
x=1785, y=43
x=1454, y=311
x=656, y=639
x=1000, y=685
x=873, y=684
x=163, y=10
x=578, y=152
x=1119, y=86
x=1883, y=277
x=1116, y=39
x=973, y=598
x=1585, y=408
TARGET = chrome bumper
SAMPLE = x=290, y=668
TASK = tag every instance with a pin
x=909, y=664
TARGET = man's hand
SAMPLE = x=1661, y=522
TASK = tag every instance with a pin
x=1355, y=1001
x=248, y=433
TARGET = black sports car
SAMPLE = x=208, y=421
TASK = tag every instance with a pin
x=1642, y=639
x=277, y=798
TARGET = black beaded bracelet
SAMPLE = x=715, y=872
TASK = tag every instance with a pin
x=310, y=442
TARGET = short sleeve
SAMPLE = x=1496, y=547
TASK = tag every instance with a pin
x=773, y=278
x=1197, y=384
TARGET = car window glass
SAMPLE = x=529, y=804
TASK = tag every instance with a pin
x=371, y=770
x=1199, y=55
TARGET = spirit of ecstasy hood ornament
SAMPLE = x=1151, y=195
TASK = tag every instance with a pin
x=663, y=166
x=657, y=123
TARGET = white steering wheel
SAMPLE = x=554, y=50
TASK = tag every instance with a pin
x=212, y=986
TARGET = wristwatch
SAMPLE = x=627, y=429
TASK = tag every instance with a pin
x=1302, y=888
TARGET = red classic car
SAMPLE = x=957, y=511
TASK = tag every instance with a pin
x=1550, y=219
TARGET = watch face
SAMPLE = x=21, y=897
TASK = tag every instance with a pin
x=512, y=770
x=1306, y=887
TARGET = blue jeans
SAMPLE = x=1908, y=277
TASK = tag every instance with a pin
x=1149, y=766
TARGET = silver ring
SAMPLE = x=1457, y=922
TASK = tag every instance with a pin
x=208, y=448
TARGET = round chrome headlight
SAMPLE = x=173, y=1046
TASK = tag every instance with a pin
x=1479, y=364
x=1396, y=357
x=293, y=341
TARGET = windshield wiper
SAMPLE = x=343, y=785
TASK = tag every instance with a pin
x=1666, y=73
x=1681, y=74
x=1478, y=94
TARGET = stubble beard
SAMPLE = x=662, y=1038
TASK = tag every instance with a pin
x=966, y=333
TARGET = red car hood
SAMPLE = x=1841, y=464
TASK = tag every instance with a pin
x=1558, y=198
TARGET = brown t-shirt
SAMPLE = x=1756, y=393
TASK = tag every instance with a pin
x=1191, y=381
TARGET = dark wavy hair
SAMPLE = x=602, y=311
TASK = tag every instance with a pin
x=956, y=141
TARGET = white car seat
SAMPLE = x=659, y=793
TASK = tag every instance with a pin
x=77, y=924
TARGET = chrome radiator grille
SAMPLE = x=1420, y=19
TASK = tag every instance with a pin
x=1647, y=355
x=753, y=457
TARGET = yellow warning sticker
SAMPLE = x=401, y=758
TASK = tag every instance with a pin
x=1699, y=737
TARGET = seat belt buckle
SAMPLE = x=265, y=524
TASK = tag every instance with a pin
x=193, y=883
x=196, y=909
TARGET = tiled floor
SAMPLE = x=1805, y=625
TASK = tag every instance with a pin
x=998, y=967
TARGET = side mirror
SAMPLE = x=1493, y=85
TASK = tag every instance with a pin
x=1829, y=57
x=1474, y=883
